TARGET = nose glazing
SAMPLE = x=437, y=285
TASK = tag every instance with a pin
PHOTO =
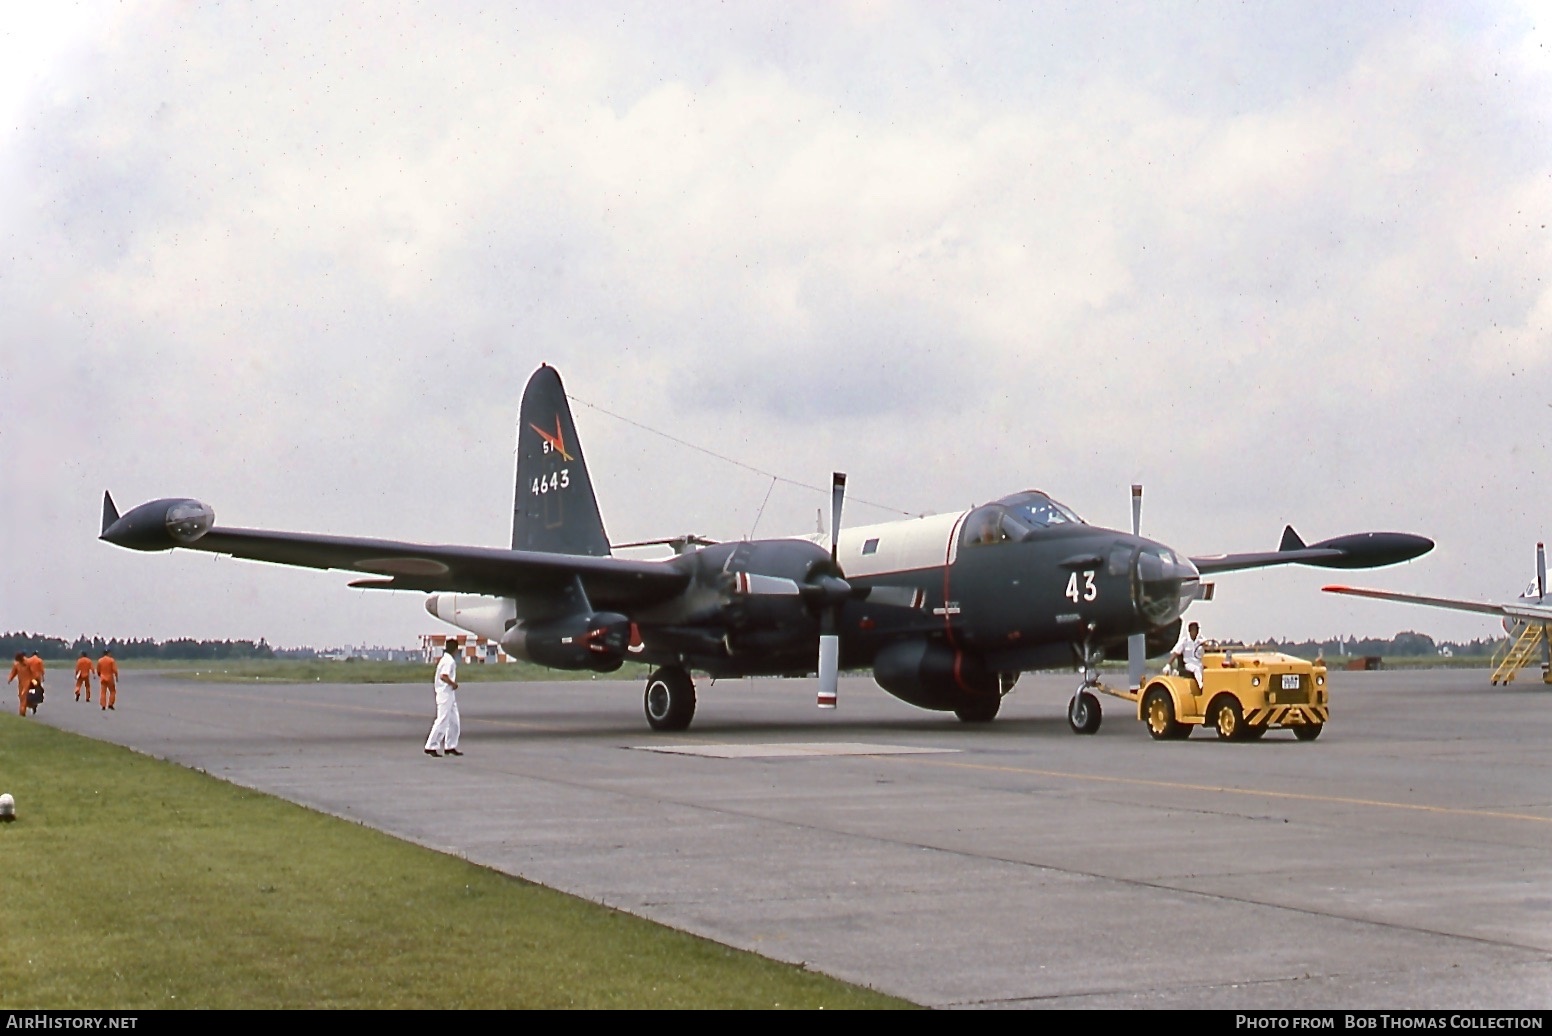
x=1165, y=584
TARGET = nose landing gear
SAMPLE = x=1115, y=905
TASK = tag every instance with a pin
x=1083, y=711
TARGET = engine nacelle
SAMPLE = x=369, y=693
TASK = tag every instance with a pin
x=596, y=642
x=160, y=525
x=488, y=617
x=933, y=676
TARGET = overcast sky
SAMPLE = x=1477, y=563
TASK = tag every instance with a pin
x=1279, y=263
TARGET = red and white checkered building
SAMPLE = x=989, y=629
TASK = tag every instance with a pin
x=470, y=648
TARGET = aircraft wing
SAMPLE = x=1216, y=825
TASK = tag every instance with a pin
x=1360, y=550
x=1511, y=609
x=609, y=582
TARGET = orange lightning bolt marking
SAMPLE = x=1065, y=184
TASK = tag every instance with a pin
x=557, y=441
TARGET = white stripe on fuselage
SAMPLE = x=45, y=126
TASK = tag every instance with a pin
x=903, y=546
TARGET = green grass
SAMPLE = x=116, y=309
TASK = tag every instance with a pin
x=135, y=884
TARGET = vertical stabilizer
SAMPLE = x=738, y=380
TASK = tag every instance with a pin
x=554, y=509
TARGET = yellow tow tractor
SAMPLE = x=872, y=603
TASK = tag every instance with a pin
x=1246, y=693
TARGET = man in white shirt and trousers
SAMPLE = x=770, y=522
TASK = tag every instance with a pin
x=444, y=732
x=1189, y=650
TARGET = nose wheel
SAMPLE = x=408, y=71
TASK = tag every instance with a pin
x=1083, y=711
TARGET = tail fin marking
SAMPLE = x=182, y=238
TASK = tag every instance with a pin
x=553, y=507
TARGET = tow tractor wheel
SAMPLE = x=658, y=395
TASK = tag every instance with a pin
x=1083, y=713
x=1158, y=709
x=1255, y=731
x=1228, y=719
x=669, y=701
x=1309, y=731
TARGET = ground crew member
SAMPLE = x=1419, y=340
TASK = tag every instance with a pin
x=22, y=674
x=107, y=680
x=83, y=677
x=35, y=664
x=1188, y=649
x=444, y=732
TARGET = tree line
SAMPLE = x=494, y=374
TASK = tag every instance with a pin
x=181, y=649
x=1407, y=644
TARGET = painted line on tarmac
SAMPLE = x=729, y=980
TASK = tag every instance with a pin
x=206, y=691
x=1251, y=792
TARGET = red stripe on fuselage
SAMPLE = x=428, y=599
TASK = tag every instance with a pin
x=948, y=620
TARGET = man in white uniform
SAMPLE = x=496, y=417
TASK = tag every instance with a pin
x=444, y=732
x=1188, y=649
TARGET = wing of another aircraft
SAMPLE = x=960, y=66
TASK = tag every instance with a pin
x=1511, y=609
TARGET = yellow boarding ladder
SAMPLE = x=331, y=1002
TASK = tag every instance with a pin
x=1519, y=653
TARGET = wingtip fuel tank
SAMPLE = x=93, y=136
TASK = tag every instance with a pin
x=159, y=525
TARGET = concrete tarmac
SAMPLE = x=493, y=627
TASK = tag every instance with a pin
x=1404, y=860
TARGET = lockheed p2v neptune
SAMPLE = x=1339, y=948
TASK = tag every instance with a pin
x=946, y=610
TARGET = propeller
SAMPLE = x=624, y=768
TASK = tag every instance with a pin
x=1541, y=592
x=1137, y=643
x=836, y=592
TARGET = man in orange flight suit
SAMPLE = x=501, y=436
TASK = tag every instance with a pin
x=107, y=679
x=22, y=674
x=35, y=670
x=83, y=677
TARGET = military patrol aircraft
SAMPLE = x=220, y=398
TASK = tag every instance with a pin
x=946, y=610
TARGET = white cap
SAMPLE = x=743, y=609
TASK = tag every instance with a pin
x=7, y=806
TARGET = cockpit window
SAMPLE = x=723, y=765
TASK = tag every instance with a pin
x=1035, y=510
x=984, y=526
x=994, y=523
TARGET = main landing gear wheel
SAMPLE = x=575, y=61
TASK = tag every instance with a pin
x=1309, y=731
x=1083, y=713
x=669, y=701
x=1158, y=710
x=980, y=709
x=1229, y=720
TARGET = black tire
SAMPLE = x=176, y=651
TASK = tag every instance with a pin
x=1158, y=711
x=1083, y=713
x=669, y=700
x=1254, y=732
x=981, y=708
x=1229, y=719
x=1309, y=731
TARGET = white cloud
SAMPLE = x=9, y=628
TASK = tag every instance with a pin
x=296, y=260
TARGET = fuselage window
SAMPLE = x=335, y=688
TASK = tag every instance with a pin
x=871, y=546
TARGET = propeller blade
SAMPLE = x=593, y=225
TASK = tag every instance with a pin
x=1137, y=643
x=835, y=591
x=837, y=498
x=829, y=669
x=1541, y=589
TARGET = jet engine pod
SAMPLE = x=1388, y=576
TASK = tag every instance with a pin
x=161, y=525
x=597, y=641
x=933, y=676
